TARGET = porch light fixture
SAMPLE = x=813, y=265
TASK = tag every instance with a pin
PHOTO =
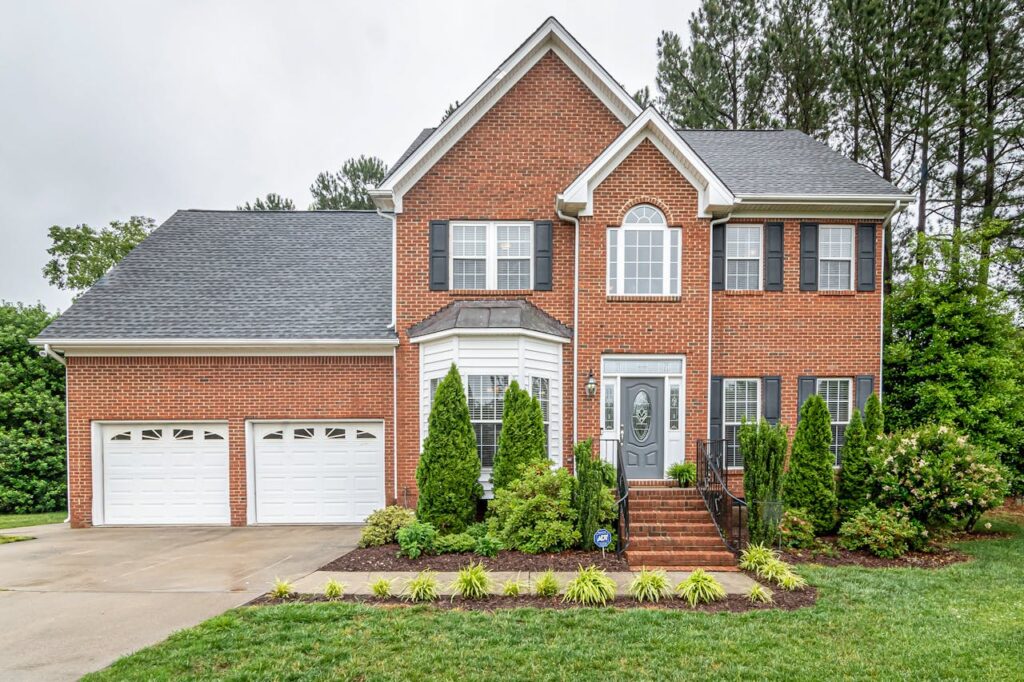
x=591, y=386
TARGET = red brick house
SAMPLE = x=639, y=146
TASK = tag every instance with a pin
x=663, y=284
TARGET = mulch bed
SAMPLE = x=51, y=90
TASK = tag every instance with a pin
x=834, y=555
x=734, y=603
x=385, y=558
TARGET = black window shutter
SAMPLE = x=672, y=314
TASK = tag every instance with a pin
x=718, y=257
x=772, y=399
x=866, y=256
x=542, y=255
x=715, y=408
x=865, y=387
x=773, y=256
x=438, y=255
x=806, y=387
x=808, y=256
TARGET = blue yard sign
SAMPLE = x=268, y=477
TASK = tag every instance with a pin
x=602, y=538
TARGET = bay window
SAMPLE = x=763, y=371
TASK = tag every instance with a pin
x=486, y=395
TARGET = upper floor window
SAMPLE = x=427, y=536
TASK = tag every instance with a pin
x=492, y=255
x=743, y=257
x=643, y=255
x=835, y=257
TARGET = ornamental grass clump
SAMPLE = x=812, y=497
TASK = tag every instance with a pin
x=590, y=587
x=700, y=588
x=758, y=594
x=546, y=585
x=381, y=587
x=282, y=589
x=755, y=556
x=422, y=588
x=513, y=588
x=472, y=582
x=649, y=586
x=334, y=589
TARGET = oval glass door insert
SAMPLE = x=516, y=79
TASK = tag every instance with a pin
x=641, y=416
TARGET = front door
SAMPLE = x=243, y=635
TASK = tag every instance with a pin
x=643, y=433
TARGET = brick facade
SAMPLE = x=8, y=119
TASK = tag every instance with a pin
x=232, y=389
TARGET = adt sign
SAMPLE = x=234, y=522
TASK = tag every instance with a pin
x=602, y=538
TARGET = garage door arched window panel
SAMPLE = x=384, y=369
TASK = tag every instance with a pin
x=643, y=255
x=305, y=433
x=365, y=435
x=274, y=435
x=334, y=433
x=121, y=436
x=183, y=434
x=152, y=434
x=212, y=435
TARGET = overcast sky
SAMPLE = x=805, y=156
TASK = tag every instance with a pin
x=113, y=109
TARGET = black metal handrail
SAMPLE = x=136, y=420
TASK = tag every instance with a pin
x=621, y=494
x=727, y=511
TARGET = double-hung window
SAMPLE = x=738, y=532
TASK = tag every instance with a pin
x=643, y=255
x=492, y=255
x=835, y=257
x=486, y=394
x=742, y=404
x=836, y=393
x=540, y=388
x=743, y=257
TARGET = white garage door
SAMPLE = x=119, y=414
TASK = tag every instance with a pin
x=315, y=472
x=165, y=474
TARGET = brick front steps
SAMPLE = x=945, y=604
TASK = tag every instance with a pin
x=670, y=528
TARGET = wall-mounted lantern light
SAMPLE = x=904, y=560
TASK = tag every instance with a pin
x=591, y=386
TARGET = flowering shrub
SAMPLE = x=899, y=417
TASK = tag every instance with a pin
x=534, y=513
x=796, y=530
x=886, y=533
x=937, y=477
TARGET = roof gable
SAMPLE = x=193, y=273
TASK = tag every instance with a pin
x=550, y=37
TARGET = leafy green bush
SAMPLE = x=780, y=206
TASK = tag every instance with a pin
x=757, y=594
x=535, y=513
x=685, y=473
x=700, y=588
x=282, y=589
x=764, y=454
x=522, y=440
x=416, y=539
x=590, y=587
x=448, y=472
x=423, y=587
x=382, y=526
x=459, y=543
x=855, y=475
x=381, y=587
x=333, y=589
x=472, y=582
x=593, y=501
x=938, y=476
x=488, y=546
x=546, y=585
x=810, y=483
x=649, y=586
x=886, y=533
x=755, y=556
x=477, y=530
x=796, y=530
x=513, y=588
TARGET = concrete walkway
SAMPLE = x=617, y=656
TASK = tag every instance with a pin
x=359, y=583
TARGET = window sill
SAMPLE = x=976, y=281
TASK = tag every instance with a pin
x=743, y=292
x=643, y=299
x=491, y=293
x=837, y=292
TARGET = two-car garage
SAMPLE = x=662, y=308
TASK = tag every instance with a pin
x=178, y=473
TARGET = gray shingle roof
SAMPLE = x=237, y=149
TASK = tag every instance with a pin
x=420, y=139
x=245, y=275
x=489, y=314
x=781, y=162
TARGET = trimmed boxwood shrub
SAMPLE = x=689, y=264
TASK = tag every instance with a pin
x=535, y=513
x=458, y=543
x=448, y=473
x=810, y=483
x=522, y=440
x=886, y=533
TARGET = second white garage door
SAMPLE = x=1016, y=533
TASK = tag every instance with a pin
x=317, y=472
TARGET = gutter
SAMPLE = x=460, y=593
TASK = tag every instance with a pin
x=575, y=318
x=49, y=352
x=394, y=351
x=187, y=342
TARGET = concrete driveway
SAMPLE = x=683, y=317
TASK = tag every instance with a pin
x=73, y=601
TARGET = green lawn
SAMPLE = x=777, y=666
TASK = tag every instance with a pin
x=961, y=622
x=20, y=520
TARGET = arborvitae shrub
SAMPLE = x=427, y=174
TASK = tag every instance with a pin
x=522, y=440
x=874, y=419
x=855, y=475
x=594, y=502
x=448, y=474
x=764, y=455
x=810, y=482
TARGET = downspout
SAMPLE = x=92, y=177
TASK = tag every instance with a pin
x=394, y=352
x=898, y=206
x=575, y=318
x=711, y=298
x=47, y=351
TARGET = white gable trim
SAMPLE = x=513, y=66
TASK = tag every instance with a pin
x=550, y=37
x=712, y=193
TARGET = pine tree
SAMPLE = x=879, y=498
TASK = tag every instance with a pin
x=810, y=483
x=801, y=67
x=522, y=439
x=855, y=475
x=350, y=187
x=874, y=420
x=448, y=472
x=272, y=202
x=721, y=79
x=764, y=455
